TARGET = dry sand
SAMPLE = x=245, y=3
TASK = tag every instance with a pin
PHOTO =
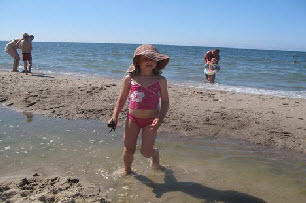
x=261, y=120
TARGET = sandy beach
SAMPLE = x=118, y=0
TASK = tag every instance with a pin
x=259, y=119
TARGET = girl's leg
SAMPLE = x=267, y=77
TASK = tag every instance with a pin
x=147, y=150
x=213, y=77
x=131, y=132
x=209, y=78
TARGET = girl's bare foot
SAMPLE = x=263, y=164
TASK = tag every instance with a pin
x=155, y=160
x=126, y=172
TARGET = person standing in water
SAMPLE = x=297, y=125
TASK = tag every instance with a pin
x=212, y=54
x=147, y=88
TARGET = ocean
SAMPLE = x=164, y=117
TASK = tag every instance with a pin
x=268, y=72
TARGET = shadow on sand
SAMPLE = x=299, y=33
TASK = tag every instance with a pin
x=195, y=190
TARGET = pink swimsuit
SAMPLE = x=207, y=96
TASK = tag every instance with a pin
x=143, y=97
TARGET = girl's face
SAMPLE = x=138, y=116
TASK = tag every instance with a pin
x=146, y=64
x=214, y=61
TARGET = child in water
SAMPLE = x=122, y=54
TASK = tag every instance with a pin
x=210, y=70
x=147, y=88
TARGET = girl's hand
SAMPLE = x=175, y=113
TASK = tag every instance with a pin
x=112, y=120
x=155, y=124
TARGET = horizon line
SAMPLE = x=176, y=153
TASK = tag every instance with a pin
x=164, y=44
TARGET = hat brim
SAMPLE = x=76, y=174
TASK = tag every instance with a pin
x=162, y=60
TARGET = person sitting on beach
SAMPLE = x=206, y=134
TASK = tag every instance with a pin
x=11, y=49
x=26, y=47
x=146, y=88
x=210, y=70
x=212, y=54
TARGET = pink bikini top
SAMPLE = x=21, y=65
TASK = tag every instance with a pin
x=142, y=97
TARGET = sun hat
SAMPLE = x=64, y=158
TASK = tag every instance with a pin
x=149, y=51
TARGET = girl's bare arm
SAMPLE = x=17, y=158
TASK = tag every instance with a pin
x=122, y=98
x=164, y=99
x=164, y=105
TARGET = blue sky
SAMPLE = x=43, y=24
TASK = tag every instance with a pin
x=255, y=24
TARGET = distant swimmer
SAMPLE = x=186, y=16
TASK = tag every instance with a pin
x=294, y=62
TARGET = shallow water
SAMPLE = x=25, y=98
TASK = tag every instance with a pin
x=195, y=169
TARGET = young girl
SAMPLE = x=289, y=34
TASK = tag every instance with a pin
x=147, y=88
x=210, y=70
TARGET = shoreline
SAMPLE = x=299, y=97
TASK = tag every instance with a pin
x=259, y=119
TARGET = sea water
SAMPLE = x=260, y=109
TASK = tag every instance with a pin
x=194, y=170
x=270, y=72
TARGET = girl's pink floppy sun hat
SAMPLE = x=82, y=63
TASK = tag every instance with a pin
x=150, y=52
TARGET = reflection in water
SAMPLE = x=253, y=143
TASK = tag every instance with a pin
x=29, y=116
x=194, y=189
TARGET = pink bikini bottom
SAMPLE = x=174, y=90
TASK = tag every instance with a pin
x=141, y=122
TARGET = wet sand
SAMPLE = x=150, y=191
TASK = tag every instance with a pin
x=259, y=119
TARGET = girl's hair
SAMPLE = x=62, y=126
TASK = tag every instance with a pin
x=156, y=70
